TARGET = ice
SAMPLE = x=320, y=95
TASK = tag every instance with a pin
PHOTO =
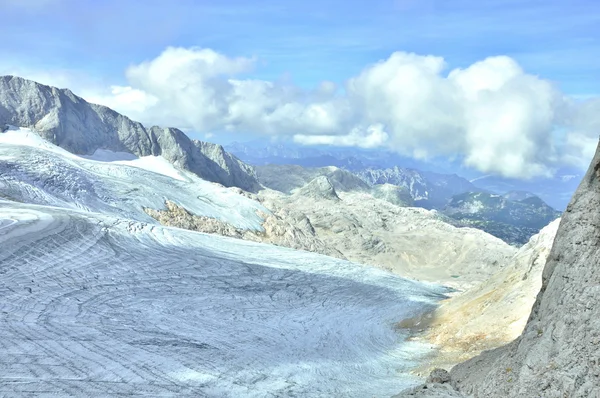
x=96, y=299
x=35, y=171
x=155, y=164
x=96, y=305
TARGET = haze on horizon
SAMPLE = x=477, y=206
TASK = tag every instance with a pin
x=506, y=87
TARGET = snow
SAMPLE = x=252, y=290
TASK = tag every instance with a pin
x=101, y=306
x=26, y=137
x=98, y=300
x=36, y=171
x=155, y=164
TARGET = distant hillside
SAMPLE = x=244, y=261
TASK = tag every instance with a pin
x=429, y=190
x=513, y=221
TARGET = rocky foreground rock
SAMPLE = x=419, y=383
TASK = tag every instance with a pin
x=494, y=312
x=66, y=120
x=558, y=353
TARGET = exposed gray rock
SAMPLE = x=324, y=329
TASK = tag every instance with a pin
x=286, y=229
x=558, y=353
x=319, y=188
x=399, y=196
x=439, y=376
x=372, y=231
x=431, y=390
x=512, y=220
x=429, y=190
x=286, y=178
x=494, y=312
x=72, y=123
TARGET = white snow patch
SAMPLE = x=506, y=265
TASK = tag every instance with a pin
x=26, y=137
x=114, y=183
x=155, y=164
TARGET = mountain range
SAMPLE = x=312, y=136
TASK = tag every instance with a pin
x=139, y=261
x=381, y=164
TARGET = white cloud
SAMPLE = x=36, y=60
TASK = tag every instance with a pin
x=371, y=137
x=492, y=114
x=582, y=120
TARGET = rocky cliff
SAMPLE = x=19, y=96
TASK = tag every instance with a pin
x=557, y=355
x=72, y=123
x=494, y=312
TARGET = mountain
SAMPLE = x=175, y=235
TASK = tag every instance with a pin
x=556, y=191
x=556, y=353
x=552, y=355
x=513, y=217
x=408, y=241
x=106, y=306
x=428, y=190
x=286, y=178
x=513, y=221
x=70, y=122
x=110, y=302
x=258, y=152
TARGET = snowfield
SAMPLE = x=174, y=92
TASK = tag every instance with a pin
x=33, y=170
x=97, y=305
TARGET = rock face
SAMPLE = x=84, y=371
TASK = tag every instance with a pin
x=285, y=229
x=72, y=123
x=411, y=242
x=286, y=178
x=319, y=188
x=496, y=311
x=557, y=355
x=394, y=194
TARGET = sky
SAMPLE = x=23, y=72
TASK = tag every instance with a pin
x=507, y=87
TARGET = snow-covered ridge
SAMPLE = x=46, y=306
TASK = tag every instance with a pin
x=35, y=171
x=79, y=127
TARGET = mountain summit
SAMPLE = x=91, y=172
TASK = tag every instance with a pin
x=66, y=120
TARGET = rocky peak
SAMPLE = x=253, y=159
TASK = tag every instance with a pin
x=72, y=123
x=320, y=188
x=557, y=353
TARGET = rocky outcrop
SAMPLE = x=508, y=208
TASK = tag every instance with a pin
x=285, y=229
x=286, y=178
x=394, y=194
x=429, y=190
x=512, y=220
x=557, y=355
x=411, y=242
x=319, y=188
x=72, y=123
x=493, y=313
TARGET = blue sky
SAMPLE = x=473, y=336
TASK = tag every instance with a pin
x=495, y=83
x=308, y=41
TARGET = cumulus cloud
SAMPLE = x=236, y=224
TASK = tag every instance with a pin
x=582, y=121
x=492, y=114
x=371, y=137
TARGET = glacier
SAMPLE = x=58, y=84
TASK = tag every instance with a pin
x=97, y=305
x=32, y=170
x=97, y=299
